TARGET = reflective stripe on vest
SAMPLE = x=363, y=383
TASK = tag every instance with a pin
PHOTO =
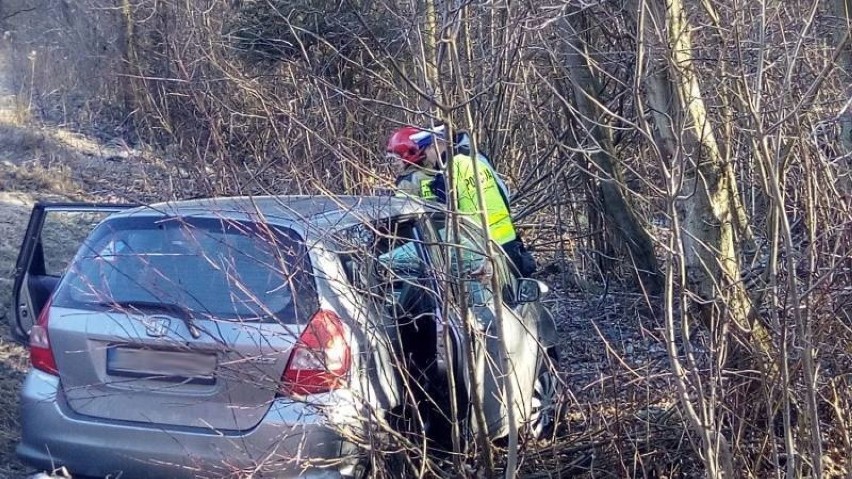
x=426, y=190
x=499, y=221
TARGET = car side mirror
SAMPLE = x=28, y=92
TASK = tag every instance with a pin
x=531, y=290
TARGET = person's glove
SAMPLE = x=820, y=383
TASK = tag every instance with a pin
x=439, y=187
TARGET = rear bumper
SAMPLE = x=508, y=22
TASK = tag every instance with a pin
x=291, y=441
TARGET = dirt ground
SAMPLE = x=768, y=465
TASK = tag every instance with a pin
x=43, y=163
x=13, y=358
x=30, y=171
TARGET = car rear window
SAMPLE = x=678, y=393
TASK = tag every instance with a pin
x=208, y=267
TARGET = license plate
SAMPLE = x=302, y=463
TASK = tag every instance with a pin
x=161, y=365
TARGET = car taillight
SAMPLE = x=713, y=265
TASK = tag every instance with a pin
x=320, y=358
x=41, y=356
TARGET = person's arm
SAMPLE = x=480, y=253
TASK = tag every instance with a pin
x=439, y=187
x=405, y=186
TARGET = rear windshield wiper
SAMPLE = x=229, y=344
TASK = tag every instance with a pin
x=177, y=311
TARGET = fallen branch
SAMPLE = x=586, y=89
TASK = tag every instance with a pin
x=17, y=13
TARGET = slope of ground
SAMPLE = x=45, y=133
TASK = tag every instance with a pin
x=42, y=163
x=603, y=338
x=39, y=164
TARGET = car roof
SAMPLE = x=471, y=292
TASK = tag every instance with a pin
x=309, y=215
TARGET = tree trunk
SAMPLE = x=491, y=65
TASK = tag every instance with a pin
x=706, y=207
x=128, y=57
x=709, y=220
x=623, y=222
x=842, y=10
x=430, y=56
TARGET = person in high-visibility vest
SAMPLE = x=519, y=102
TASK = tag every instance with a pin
x=414, y=172
x=420, y=158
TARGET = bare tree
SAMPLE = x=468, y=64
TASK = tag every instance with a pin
x=607, y=176
x=701, y=188
x=697, y=138
x=842, y=10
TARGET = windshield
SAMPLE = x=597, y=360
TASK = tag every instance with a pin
x=210, y=267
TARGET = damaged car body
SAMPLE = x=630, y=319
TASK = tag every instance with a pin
x=271, y=335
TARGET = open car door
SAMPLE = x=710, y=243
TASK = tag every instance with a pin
x=525, y=331
x=54, y=234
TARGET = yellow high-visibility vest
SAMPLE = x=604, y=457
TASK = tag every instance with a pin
x=499, y=220
x=426, y=190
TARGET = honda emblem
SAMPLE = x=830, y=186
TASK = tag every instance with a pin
x=156, y=326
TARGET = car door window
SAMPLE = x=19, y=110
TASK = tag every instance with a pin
x=54, y=233
x=62, y=234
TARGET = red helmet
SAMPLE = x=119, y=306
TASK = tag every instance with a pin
x=401, y=145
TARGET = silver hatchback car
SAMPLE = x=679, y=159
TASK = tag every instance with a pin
x=264, y=336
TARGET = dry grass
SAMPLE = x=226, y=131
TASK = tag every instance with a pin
x=24, y=179
x=13, y=363
x=40, y=163
x=14, y=212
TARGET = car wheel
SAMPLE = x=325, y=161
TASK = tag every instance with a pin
x=546, y=398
